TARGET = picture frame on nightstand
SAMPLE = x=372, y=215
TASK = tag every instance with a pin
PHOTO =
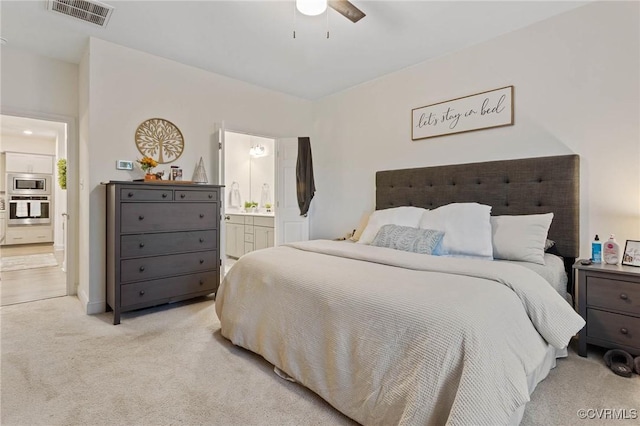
x=631, y=254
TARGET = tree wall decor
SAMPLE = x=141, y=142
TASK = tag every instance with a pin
x=159, y=139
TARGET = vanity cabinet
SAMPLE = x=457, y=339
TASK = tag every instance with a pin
x=263, y=232
x=234, y=245
x=246, y=233
x=28, y=163
x=163, y=243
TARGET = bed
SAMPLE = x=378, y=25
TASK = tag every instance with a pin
x=394, y=337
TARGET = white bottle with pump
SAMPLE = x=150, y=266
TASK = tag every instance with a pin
x=596, y=250
x=611, y=251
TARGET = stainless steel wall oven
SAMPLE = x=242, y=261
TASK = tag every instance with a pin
x=29, y=210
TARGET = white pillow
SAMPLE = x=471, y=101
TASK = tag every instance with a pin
x=466, y=227
x=521, y=237
x=402, y=216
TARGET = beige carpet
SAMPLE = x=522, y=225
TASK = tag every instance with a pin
x=30, y=261
x=170, y=366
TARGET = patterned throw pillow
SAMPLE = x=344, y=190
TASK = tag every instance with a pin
x=406, y=238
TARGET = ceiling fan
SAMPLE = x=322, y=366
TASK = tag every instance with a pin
x=347, y=9
x=343, y=7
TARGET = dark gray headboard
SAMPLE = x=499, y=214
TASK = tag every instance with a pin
x=511, y=187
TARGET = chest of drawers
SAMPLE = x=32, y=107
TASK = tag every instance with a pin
x=609, y=301
x=163, y=243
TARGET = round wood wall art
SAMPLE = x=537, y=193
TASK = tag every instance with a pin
x=159, y=139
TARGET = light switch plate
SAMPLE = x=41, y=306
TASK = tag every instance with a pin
x=124, y=165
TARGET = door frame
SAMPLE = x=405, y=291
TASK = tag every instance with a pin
x=220, y=127
x=71, y=228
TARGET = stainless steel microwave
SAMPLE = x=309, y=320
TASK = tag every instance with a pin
x=29, y=183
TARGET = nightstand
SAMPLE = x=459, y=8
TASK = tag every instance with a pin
x=609, y=301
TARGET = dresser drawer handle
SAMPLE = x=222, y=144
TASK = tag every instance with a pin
x=164, y=195
x=141, y=217
x=202, y=240
x=182, y=195
x=210, y=195
x=142, y=269
x=130, y=194
x=141, y=292
x=623, y=296
x=201, y=215
x=201, y=261
x=624, y=331
x=201, y=281
x=141, y=245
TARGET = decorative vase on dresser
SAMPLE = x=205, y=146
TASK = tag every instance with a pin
x=163, y=243
x=609, y=301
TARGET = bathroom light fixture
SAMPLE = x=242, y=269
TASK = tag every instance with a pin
x=311, y=7
x=27, y=132
x=257, y=151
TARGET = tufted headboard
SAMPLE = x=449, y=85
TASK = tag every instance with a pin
x=511, y=187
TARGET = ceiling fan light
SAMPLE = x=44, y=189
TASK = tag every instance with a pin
x=311, y=7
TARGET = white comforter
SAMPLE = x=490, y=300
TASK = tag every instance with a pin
x=390, y=337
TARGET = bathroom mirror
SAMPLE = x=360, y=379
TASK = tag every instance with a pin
x=249, y=172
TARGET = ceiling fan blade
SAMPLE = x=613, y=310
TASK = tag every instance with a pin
x=347, y=9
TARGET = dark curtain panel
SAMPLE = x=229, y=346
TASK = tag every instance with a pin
x=305, y=184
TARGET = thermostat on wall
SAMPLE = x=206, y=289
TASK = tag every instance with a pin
x=124, y=165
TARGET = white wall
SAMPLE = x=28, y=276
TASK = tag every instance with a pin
x=34, y=83
x=576, y=91
x=126, y=87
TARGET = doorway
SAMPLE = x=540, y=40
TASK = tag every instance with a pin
x=249, y=179
x=260, y=207
x=33, y=226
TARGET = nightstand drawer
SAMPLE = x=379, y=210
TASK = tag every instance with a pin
x=619, y=329
x=618, y=295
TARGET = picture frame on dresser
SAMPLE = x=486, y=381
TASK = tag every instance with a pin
x=631, y=254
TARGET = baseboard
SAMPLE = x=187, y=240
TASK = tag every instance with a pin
x=92, y=308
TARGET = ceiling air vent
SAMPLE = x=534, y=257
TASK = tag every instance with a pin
x=89, y=11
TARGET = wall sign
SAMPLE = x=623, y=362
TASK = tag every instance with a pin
x=485, y=110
